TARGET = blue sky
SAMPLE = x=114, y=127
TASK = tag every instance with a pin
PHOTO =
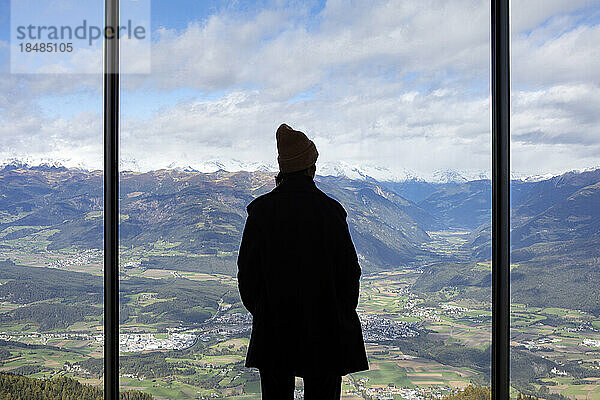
x=392, y=86
x=176, y=14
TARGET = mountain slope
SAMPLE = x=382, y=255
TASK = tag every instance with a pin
x=460, y=205
x=576, y=217
x=561, y=208
x=383, y=225
x=195, y=213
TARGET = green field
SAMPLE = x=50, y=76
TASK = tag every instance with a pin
x=215, y=367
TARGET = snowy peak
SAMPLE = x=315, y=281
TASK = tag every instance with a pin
x=208, y=166
x=456, y=176
x=233, y=165
x=365, y=171
x=12, y=163
x=361, y=171
x=515, y=175
x=369, y=171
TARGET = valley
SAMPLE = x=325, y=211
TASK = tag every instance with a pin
x=425, y=288
x=402, y=325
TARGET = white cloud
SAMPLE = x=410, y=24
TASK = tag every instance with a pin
x=562, y=114
x=396, y=132
x=526, y=15
x=544, y=60
x=403, y=84
x=275, y=52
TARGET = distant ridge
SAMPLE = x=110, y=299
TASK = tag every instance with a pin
x=363, y=171
x=555, y=223
x=201, y=212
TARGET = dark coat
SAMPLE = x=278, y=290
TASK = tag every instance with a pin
x=298, y=275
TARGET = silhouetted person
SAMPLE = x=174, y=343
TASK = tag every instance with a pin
x=298, y=275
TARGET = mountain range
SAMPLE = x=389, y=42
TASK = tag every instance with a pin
x=360, y=171
x=555, y=222
x=203, y=213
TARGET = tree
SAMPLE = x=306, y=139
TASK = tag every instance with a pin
x=471, y=393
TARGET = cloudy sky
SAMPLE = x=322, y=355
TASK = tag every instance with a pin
x=395, y=84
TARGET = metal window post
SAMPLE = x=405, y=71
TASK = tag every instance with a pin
x=500, y=82
x=500, y=87
x=111, y=201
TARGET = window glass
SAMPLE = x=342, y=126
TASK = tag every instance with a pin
x=555, y=199
x=395, y=95
x=51, y=195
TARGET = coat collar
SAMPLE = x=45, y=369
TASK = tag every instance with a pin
x=294, y=183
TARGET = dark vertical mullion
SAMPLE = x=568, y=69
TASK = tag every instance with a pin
x=111, y=201
x=500, y=82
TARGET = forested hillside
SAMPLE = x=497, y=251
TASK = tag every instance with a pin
x=16, y=387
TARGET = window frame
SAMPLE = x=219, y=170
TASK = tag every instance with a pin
x=111, y=201
x=500, y=121
x=500, y=114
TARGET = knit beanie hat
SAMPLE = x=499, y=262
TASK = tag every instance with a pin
x=296, y=151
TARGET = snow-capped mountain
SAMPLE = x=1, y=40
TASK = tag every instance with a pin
x=515, y=175
x=364, y=171
x=361, y=171
x=383, y=174
x=40, y=162
x=231, y=165
x=455, y=176
x=518, y=176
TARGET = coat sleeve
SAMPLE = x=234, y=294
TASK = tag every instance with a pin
x=350, y=271
x=248, y=263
